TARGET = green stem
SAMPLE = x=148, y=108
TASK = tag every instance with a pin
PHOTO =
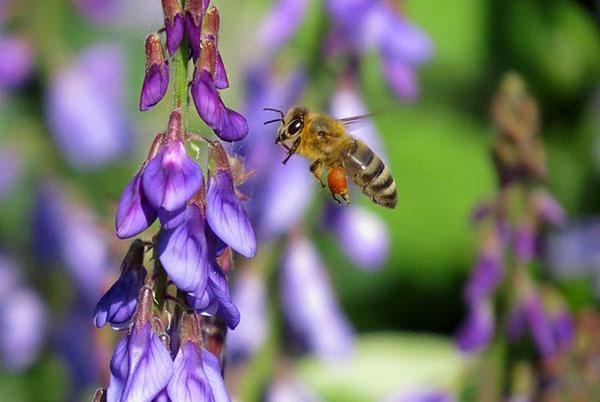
x=179, y=75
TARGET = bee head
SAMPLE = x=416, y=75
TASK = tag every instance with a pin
x=292, y=124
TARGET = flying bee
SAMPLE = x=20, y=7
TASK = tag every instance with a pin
x=325, y=141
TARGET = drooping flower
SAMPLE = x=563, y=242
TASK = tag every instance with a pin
x=118, y=304
x=173, y=24
x=194, y=11
x=156, y=77
x=141, y=366
x=89, y=124
x=487, y=273
x=309, y=305
x=227, y=217
x=134, y=212
x=478, y=328
x=171, y=178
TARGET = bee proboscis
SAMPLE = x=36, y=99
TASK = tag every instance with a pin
x=325, y=141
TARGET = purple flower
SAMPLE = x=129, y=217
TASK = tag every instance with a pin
x=183, y=252
x=564, y=329
x=362, y=235
x=309, y=305
x=173, y=24
x=485, y=278
x=141, y=366
x=89, y=123
x=18, y=61
x=249, y=293
x=98, y=11
x=156, y=77
x=228, y=124
x=23, y=321
x=539, y=325
x=281, y=23
x=194, y=11
x=134, y=212
x=227, y=217
x=573, y=251
x=189, y=382
x=172, y=177
x=118, y=304
x=477, y=330
x=549, y=209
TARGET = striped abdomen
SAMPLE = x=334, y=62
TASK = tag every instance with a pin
x=368, y=171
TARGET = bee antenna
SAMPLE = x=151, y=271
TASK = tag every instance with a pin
x=272, y=121
x=270, y=109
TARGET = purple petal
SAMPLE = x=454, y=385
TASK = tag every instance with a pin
x=221, y=80
x=149, y=365
x=183, y=252
x=172, y=219
x=539, y=326
x=477, y=330
x=212, y=369
x=485, y=278
x=118, y=304
x=18, y=64
x=99, y=11
x=171, y=178
x=227, y=217
x=549, y=208
x=524, y=243
x=174, y=33
x=119, y=370
x=193, y=35
x=401, y=78
x=362, y=235
x=207, y=100
x=280, y=24
x=154, y=87
x=234, y=127
x=90, y=124
x=220, y=292
x=564, y=330
x=573, y=252
x=189, y=383
x=134, y=213
x=23, y=323
x=309, y=304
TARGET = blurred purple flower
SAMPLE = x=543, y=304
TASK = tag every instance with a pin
x=98, y=11
x=280, y=24
x=18, y=56
x=65, y=232
x=362, y=235
x=10, y=166
x=478, y=329
x=118, y=304
x=423, y=396
x=23, y=322
x=549, y=209
x=249, y=294
x=289, y=390
x=524, y=243
x=89, y=123
x=485, y=277
x=564, y=329
x=184, y=254
x=227, y=217
x=539, y=325
x=309, y=304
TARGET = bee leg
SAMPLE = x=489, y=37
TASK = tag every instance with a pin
x=335, y=198
x=316, y=168
x=291, y=151
x=345, y=196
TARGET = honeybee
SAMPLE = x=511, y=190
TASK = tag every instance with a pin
x=325, y=141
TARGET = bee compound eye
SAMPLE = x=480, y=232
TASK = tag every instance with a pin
x=295, y=126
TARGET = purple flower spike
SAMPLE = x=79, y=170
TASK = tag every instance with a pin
x=478, y=328
x=539, y=326
x=118, y=304
x=140, y=368
x=227, y=217
x=173, y=24
x=485, y=278
x=183, y=252
x=134, y=212
x=228, y=124
x=172, y=177
x=189, y=382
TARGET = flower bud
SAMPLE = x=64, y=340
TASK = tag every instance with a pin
x=156, y=78
x=173, y=24
x=194, y=11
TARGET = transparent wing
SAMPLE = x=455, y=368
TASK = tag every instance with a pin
x=348, y=121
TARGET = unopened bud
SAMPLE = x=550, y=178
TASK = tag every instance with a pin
x=212, y=23
x=173, y=24
x=208, y=57
x=174, y=128
x=154, y=51
x=190, y=328
x=143, y=312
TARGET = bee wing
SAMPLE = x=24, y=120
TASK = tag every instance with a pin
x=348, y=121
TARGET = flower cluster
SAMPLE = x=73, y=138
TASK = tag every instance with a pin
x=177, y=315
x=511, y=228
